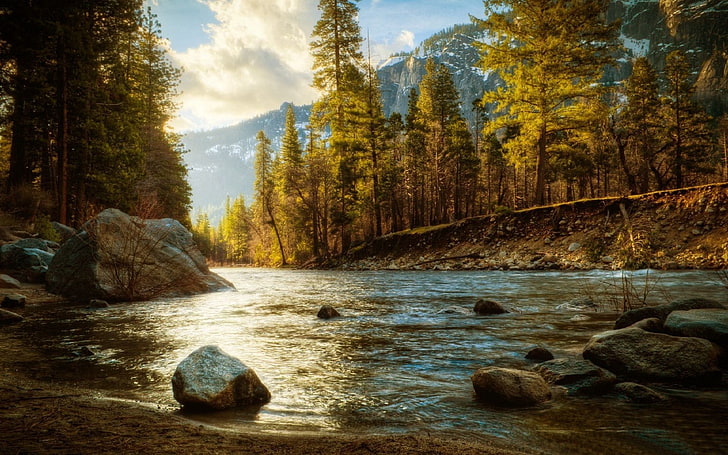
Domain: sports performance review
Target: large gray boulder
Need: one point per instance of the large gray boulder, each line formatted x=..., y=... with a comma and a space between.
x=661, y=312
x=580, y=377
x=211, y=379
x=633, y=353
x=510, y=387
x=711, y=324
x=117, y=257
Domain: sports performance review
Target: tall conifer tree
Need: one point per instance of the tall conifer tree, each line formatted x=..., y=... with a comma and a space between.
x=550, y=55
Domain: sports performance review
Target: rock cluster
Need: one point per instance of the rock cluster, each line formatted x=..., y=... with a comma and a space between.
x=682, y=343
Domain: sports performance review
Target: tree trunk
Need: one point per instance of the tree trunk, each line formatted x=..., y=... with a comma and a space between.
x=541, y=163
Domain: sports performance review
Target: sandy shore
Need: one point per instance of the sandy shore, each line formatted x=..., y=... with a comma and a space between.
x=38, y=417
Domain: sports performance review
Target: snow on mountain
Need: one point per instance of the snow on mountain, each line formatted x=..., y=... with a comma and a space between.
x=221, y=160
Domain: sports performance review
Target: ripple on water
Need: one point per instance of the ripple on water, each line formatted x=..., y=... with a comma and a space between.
x=399, y=359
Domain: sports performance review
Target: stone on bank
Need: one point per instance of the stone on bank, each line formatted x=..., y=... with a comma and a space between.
x=117, y=257
x=211, y=379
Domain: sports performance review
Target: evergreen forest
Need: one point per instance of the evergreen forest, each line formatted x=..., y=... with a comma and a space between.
x=554, y=131
x=87, y=90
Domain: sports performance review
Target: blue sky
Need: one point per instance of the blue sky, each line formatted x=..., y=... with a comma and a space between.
x=242, y=58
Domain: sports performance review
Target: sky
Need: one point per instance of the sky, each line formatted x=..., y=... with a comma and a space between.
x=242, y=58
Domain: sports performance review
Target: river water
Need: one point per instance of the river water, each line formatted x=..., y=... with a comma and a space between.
x=398, y=360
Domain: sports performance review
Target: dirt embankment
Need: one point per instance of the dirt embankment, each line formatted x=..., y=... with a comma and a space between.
x=686, y=228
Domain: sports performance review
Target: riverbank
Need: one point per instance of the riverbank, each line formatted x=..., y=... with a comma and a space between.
x=43, y=417
x=679, y=229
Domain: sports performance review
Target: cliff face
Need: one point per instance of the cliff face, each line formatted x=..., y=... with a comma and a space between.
x=399, y=75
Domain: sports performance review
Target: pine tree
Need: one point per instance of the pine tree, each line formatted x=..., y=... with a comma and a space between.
x=439, y=111
x=641, y=123
x=550, y=55
x=336, y=50
x=265, y=187
x=687, y=123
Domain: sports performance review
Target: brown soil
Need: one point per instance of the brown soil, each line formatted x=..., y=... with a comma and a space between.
x=685, y=228
x=42, y=417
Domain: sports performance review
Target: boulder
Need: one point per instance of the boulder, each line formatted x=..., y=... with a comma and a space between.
x=580, y=377
x=8, y=282
x=29, y=264
x=118, y=257
x=711, y=324
x=211, y=379
x=486, y=307
x=8, y=317
x=33, y=243
x=649, y=325
x=638, y=393
x=13, y=301
x=510, y=387
x=633, y=353
x=662, y=311
x=327, y=312
x=98, y=303
x=539, y=354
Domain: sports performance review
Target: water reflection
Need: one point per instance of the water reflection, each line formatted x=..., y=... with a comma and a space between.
x=399, y=359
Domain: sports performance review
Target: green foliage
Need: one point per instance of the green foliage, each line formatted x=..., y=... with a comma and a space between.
x=89, y=91
x=549, y=71
x=44, y=229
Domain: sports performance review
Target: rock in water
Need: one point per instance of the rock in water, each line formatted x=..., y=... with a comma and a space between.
x=635, y=354
x=8, y=282
x=711, y=324
x=13, y=301
x=212, y=379
x=580, y=377
x=661, y=312
x=638, y=393
x=509, y=387
x=539, y=354
x=8, y=317
x=118, y=257
x=486, y=307
x=328, y=312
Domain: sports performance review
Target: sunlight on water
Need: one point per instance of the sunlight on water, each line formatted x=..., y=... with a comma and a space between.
x=399, y=358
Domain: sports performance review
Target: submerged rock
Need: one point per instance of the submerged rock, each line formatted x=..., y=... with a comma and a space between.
x=120, y=257
x=580, y=377
x=638, y=393
x=635, y=354
x=486, y=307
x=509, y=387
x=13, y=301
x=327, y=312
x=8, y=317
x=539, y=354
x=211, y=379
x=578, y=305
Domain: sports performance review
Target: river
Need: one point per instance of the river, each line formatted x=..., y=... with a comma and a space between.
x=398, y=360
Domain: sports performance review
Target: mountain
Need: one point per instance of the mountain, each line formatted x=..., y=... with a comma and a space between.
x=221, y=160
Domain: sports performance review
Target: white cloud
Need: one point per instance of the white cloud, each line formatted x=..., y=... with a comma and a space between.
x=257, y=58
x=382, y=49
